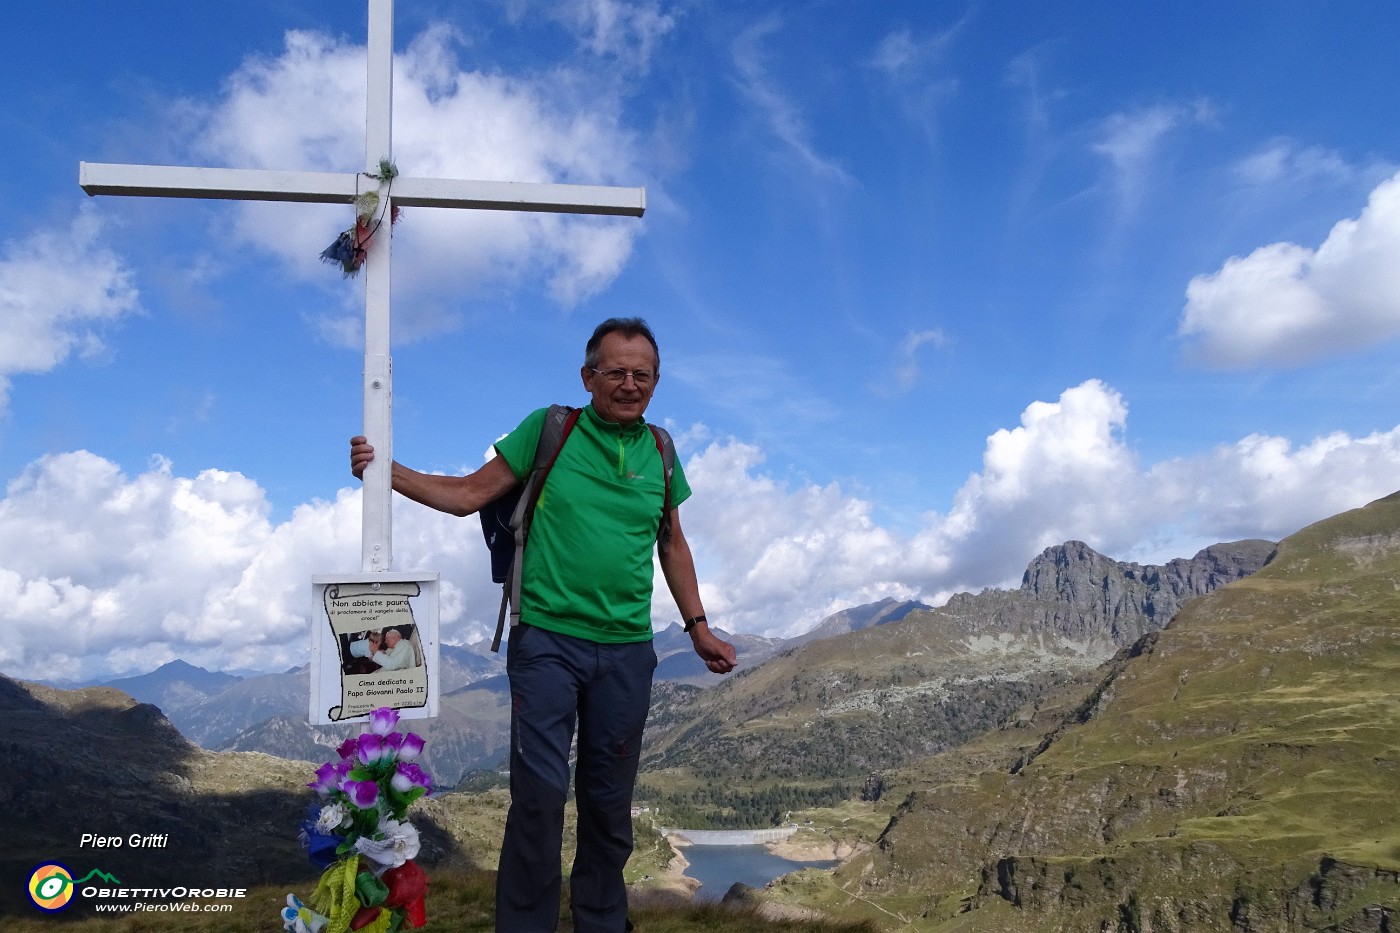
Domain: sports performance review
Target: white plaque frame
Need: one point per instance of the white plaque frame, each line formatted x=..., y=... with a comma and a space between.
x=346, y=606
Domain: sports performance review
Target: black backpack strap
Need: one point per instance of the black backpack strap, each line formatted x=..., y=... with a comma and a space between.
x=667, y=448
x=559, y=420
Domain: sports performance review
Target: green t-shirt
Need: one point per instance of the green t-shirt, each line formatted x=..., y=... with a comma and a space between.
x=588, y=561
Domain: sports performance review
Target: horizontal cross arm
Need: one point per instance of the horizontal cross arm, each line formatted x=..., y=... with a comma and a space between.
x=237, y=184
x=165, y=181
x=519, y=196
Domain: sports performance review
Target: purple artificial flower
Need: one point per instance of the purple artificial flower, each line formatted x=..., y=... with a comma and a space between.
x=411, y=747
x=383, y=720
x=327, y=777
x=408, y=776
x=393, y=741
x=363, y=794
x=347, y=749
x=371, y=748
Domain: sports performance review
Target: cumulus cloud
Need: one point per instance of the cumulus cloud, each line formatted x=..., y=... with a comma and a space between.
x=136, y=571
x=58, y=290
x=303, y=110
x=772, y=558
x=1286, y=304
x=777, y=558
x=1266, y=486
x=1064, y=473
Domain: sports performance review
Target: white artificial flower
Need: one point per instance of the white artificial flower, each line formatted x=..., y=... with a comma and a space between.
x=330, y=819
x=400, y=843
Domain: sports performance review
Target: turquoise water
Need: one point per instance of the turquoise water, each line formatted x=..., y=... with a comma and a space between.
x=719, y=867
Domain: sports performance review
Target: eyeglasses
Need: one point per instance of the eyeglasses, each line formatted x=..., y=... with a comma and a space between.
x=642, y=377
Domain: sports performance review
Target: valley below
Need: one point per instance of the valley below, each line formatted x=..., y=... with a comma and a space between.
x=1209, y=744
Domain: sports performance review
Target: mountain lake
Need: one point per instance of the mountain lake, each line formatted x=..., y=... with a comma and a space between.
x=717, y=868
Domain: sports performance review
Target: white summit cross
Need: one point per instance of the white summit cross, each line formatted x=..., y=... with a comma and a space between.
x=342, y=188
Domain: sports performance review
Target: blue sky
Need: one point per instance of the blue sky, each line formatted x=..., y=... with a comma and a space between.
x=937, y=286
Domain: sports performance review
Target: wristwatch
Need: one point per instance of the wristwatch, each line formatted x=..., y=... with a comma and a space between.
x=691, y=623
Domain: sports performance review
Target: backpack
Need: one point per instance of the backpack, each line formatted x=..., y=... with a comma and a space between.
x=505, y=521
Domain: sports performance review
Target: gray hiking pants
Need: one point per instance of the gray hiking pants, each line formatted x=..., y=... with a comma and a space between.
x=556, y=682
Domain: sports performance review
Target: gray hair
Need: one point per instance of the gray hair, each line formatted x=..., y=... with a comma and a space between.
x=628, y=327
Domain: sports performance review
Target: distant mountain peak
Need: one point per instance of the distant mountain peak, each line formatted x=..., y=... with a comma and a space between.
x=855, y=618
x=172, y=682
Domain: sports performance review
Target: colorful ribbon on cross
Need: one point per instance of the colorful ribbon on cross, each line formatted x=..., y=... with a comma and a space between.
x=350, y=247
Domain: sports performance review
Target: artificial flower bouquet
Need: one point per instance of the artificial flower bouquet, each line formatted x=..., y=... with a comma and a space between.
x=358, y=833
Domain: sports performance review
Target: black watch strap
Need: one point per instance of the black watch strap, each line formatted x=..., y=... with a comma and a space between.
x=691, y=623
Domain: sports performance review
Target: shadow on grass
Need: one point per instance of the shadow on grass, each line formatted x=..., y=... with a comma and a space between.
x=90, y=765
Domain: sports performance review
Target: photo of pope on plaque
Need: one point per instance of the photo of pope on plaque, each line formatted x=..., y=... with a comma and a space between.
x=381, y=655
x=392, y=649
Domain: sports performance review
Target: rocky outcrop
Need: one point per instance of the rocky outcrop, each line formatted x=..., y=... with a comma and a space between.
x=1093, y=594
x=1074, y=592
x=1213, y=892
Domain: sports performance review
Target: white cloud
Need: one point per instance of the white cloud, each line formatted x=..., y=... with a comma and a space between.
x=626, y=32
x=911, y=64
x=782, y=116
x=135, y=571
x=1283, y=162
x=303, y=110
x=1025, y=72
x=778, y=558
x=1286, y=304
x=899, y=52
x=773, y=559
x=58, y=288
x=905, y=372
x=1065, y=473
x=1132, y=143
x=1264, y=486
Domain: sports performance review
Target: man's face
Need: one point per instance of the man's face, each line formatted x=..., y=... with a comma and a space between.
x=392, y=638
x=625, y=401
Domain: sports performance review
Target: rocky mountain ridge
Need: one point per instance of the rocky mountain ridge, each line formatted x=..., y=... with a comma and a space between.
x=834, y=710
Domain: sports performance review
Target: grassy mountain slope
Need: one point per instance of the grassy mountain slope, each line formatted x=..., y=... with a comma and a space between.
x=809, y=726
x=1241, y=772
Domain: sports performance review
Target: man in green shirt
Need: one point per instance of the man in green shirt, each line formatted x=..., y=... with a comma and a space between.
x=582, y=655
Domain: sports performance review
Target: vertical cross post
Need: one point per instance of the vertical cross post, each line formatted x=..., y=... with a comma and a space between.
x=376, y=539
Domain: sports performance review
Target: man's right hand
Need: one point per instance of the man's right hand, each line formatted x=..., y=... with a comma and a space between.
x=361, y=453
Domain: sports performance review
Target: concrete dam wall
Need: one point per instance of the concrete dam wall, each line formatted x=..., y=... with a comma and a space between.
x=730, y=837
